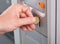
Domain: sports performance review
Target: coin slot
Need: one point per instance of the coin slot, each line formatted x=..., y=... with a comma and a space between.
x=37, y=19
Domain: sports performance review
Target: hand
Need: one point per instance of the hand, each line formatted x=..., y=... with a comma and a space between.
x=16, y=16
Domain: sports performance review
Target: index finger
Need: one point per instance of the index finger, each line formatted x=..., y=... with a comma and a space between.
x=27, y=10
x=29, y=13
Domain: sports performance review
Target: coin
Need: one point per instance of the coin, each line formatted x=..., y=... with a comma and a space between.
x=36, y=20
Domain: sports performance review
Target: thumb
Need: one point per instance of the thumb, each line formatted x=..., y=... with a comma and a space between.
x=26, y=21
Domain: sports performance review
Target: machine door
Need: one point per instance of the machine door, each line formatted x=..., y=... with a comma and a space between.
x=39, y=35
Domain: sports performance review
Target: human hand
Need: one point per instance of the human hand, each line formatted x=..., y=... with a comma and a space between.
x=16, y=16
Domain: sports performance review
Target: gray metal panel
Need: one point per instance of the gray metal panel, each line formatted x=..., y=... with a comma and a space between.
x=17, y=36
x=35, y=4
x=51, y=8
x=4, y=4
x=58, y=21
x=43, y=20
x=5, y=40
x=33, y=38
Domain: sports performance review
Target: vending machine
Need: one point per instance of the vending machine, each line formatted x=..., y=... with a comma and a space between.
x=47, y=30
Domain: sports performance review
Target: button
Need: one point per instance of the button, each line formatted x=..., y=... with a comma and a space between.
x=42, y=5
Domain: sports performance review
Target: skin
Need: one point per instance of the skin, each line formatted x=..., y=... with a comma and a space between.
x=16, y=16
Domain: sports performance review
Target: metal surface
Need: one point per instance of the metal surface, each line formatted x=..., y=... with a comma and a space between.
x=17, y=36
x=51, y=12
x=4, y=4
x=33, y=38
x=35, y=4
x=58, y=22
